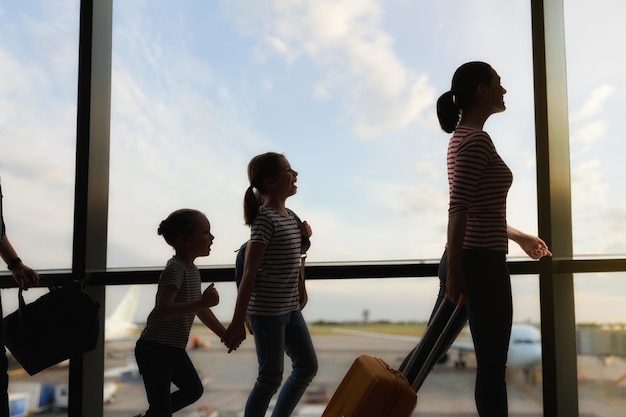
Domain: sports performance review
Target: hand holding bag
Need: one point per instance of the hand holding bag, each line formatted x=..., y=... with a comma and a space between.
x=60, y=324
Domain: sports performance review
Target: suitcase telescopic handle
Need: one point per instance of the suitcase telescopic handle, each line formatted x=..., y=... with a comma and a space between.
x=425, y=369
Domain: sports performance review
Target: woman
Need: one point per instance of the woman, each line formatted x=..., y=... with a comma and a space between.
x=473, y=267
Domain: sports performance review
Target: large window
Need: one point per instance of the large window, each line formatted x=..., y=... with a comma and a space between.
x=596, y=92
x=346, y=90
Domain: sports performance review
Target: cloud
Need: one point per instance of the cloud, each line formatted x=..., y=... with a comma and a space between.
x=589, y=134
x=347, y=44
x=169, y=152
x=595, y=103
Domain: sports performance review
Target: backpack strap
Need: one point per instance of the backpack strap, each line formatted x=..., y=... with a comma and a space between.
x=305, y=243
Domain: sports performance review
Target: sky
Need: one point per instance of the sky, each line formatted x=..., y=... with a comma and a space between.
x=346, y=89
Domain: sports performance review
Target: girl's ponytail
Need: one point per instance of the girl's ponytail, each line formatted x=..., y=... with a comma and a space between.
x=251, y=206
x=260, y=167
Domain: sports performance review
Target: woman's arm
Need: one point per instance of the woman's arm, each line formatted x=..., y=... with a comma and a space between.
x=532, y=245
x=455, y=281
x=21, y=273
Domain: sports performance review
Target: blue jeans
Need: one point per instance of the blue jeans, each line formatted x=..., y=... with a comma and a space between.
x=161, y=365
x=274, y=336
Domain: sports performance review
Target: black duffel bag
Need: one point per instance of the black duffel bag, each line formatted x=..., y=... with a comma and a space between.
x=60, y=324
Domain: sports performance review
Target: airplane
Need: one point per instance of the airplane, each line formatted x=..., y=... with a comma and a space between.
x=120, y=325
x=524, y=345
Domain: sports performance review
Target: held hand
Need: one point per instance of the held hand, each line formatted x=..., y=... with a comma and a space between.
x=234, y=335
x=455, y=286
x=305, y=229
x=25, y=276
x=534, y=247
x=210, y=296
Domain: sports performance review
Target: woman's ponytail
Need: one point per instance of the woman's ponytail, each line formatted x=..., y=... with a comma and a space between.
x=461, y=96
x=447, y=112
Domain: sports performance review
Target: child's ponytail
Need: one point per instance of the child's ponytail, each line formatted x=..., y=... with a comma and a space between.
x=260, y=167
x=251, y=206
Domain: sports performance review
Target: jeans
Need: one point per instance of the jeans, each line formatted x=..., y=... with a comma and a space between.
x=488, y=306
x=274, y=336
x=161, y=365
x=490, y=313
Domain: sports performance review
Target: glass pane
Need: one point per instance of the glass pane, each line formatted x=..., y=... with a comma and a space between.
x=596, y=76
x=363, y=324
x=601, y=343
x=39, y=54
x=346, y=91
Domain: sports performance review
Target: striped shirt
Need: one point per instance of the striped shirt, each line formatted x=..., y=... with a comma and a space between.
x=479, y=182
x=186, y=278
x=276, y=288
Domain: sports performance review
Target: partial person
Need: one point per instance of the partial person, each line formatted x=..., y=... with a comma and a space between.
x=473, y=267
x=25, y=277
x=160, y=350
x=268, y=296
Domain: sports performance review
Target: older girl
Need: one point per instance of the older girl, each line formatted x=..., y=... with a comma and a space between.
x=268, y=294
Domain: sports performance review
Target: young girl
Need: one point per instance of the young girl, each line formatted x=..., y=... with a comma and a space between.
x=160, y=351
x=268, y=293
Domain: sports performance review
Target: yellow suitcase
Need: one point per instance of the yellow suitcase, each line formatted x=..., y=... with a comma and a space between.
x=372, y=389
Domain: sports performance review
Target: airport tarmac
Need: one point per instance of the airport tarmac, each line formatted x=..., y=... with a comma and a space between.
x=448, y=392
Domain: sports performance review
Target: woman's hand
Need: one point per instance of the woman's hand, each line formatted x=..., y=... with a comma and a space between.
x=534, y=247
x=455, y=284
x=25, y=276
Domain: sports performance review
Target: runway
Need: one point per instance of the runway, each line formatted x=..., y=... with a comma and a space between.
x=448, y=392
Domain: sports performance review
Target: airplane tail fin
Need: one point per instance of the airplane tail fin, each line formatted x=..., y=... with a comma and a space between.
x=121, y=322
